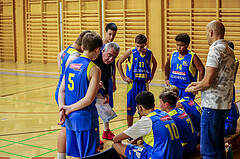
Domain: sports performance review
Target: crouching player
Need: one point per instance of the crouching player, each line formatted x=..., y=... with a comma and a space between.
x=159, y=132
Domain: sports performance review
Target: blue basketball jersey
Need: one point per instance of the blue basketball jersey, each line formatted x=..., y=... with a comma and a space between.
x=76, y=86
x=64, y=57
x=182, y=70
x=193, y=110
x=187, y=132
x=139, y=67
x=163, y=139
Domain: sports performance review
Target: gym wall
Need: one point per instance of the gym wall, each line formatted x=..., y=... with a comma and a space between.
x=31, y=30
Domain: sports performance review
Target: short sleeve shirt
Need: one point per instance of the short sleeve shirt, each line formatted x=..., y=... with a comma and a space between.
x=220, y=93
x=140, y=128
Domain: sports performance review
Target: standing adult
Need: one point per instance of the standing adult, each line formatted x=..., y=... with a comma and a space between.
x=217, y=91
x=104, y=62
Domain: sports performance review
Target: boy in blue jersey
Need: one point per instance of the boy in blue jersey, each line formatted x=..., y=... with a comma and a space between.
x=159, y=132
x=182, y=66
x=77, y=100
x=186, y=130
x=193, y=110
x=231, y=121
x=64, y=58
x=141, y=67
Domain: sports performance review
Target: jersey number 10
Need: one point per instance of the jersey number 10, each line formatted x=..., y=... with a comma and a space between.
x=173, y=131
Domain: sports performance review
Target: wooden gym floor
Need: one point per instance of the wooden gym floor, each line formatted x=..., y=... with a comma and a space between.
x=29, y=114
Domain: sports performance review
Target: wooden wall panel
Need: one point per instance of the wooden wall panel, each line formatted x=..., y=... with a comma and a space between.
x=7, y=31
x=131, y=17
x=194, y=17
x=42, y=30
x=80, y=15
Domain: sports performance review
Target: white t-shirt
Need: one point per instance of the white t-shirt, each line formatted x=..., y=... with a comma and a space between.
x=219, y=95
x=140, y=128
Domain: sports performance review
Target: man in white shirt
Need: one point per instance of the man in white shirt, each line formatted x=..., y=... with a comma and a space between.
x=217, y=91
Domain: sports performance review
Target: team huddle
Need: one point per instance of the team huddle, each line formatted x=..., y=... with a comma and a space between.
x=88, y=67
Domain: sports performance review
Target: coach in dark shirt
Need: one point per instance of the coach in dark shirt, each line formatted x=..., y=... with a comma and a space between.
x=106, y=61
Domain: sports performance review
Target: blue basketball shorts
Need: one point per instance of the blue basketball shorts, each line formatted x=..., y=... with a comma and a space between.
x=135, y=152
x=82, y=143
x=132, y=91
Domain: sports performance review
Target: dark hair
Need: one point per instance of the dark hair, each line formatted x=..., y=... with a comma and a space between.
x=230, y=44
x=92, y=41
x=111, y=26
x=141, y=39
x=169, y=97
x=80, y=37
x=146, y=99
x=183, y=37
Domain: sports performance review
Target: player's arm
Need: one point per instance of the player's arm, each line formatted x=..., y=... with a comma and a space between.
x=236, y=68
x=154, y=67
x=95, y=76
x=59, y=59
x=106, y=90
x=114, y=79
x=61, y=101
x=119, y=65
x=205, y=83
x=167, y=71
x=120, y=137
x=199, y=66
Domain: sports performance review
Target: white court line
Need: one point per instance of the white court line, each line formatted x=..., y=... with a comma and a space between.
x=54, y=76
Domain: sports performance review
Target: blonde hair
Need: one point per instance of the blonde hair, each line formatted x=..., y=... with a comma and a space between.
x=170, y=88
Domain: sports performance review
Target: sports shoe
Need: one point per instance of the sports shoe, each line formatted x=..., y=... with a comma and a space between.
x=101, y=145
x=108, y=135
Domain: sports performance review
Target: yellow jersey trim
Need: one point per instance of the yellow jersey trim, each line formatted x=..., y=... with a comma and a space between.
x=149, y=139
x=192, y=69
x=72, y=50
x=90, y=65
x=172, y=113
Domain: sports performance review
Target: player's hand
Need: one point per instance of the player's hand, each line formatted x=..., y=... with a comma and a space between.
x=167, y=82
x=106, y=99
x=62, y=117
x=127, y=79
x=100, y=85
x=67, y=109
x=149, y=80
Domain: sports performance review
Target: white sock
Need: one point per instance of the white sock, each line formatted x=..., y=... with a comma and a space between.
x=61, y=155
x=106, y=126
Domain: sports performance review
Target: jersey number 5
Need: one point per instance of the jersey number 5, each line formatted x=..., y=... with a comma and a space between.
x=71, y=83
x=173, y=131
